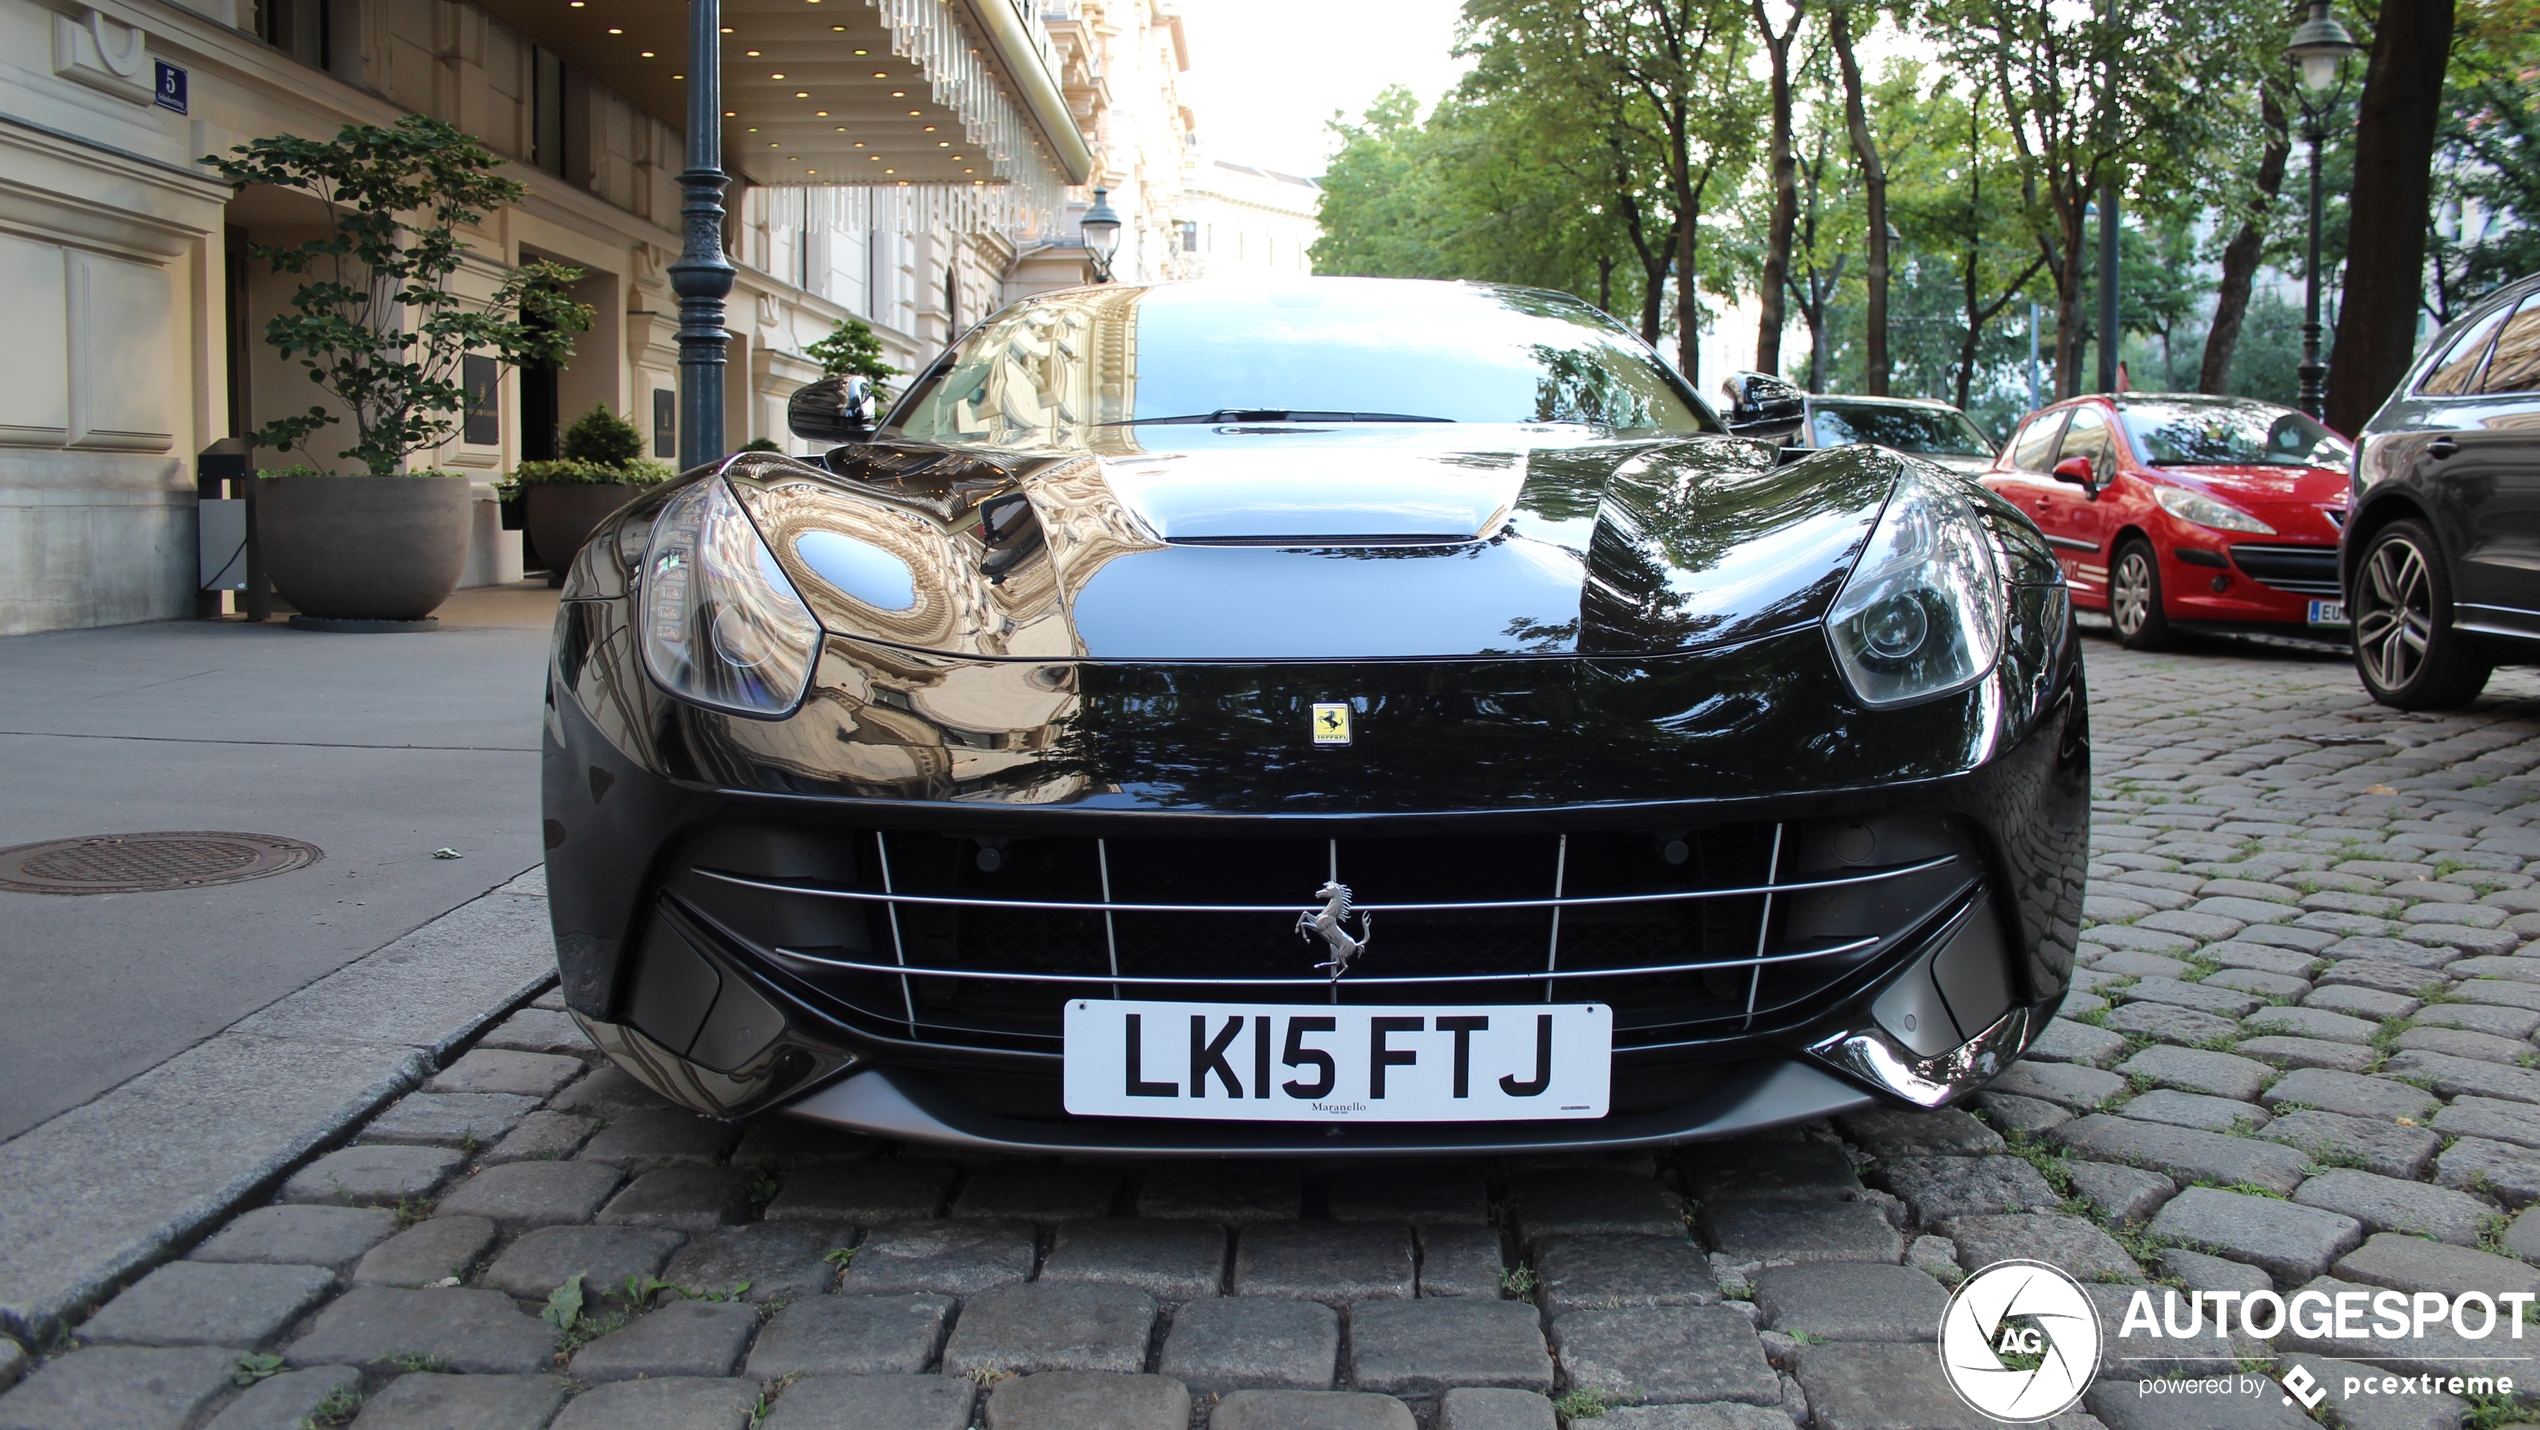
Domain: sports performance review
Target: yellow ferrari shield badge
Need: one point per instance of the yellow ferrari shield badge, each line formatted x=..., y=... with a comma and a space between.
x=1331, y=723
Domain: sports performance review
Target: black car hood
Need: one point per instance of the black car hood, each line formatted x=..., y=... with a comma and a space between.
x=1299, y=544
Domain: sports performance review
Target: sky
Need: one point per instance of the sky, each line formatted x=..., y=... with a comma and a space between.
x=1265, y=78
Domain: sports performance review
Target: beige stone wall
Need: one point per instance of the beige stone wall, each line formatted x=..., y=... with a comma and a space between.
x=113, y=242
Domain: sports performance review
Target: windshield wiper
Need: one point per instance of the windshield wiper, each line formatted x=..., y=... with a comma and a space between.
x=1269, y=414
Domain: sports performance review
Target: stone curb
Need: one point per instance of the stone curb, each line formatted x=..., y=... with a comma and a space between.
x=119, y=1184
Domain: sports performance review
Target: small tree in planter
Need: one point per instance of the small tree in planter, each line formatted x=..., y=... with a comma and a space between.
x=378, y=329
x=603, y=468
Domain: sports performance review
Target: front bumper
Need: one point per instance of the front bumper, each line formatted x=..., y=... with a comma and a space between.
x=736, y=995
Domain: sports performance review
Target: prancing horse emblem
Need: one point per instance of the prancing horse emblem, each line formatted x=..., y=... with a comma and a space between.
x=1327, y=925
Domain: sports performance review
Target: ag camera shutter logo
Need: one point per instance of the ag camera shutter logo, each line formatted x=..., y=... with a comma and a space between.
x=2020, y=1341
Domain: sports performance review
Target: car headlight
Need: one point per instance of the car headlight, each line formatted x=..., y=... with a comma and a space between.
x=2205, y=511
x=1923, y=613
x=722, y=626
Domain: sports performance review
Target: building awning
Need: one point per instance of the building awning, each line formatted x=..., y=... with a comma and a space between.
x=861, y=92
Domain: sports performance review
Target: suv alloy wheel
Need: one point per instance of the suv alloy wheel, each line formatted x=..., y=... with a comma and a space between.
x=2406, y=649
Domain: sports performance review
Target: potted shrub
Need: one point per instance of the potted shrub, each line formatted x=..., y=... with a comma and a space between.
x=357, y=540
x=602, y=469
x=853, y=350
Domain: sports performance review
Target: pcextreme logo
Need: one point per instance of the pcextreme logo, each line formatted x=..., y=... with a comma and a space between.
x=2020, y=1341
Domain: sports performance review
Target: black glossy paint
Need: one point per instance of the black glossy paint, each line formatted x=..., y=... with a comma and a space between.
x=1540, y=630
x=2470, y=466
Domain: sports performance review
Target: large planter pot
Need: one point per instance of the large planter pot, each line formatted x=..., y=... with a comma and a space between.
x=387, y=549
x=562, y=516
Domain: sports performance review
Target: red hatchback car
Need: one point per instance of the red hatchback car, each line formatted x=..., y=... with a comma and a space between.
x=2172, y=510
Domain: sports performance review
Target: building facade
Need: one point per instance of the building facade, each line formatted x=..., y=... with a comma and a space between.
x=892, y=159
x=1239, y=220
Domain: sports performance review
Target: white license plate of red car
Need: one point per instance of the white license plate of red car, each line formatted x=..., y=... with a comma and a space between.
x=1302, y=1062
x=2328, y=613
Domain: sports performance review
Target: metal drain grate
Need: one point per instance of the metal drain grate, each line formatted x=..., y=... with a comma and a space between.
x=146, y=863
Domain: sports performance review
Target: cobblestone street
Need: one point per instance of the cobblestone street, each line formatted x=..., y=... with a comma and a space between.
x=2299, y=1055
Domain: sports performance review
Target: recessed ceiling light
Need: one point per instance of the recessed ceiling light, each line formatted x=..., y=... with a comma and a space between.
x=752, y=53
x=841, y=27
x=772, y=144
x=930, y=128
x=957, y=158
x=778, y=75
x=859, y=143
x=727, y=29
x=679, y=76
x=820, y=114
x=943, y=143
x=753, y=129
x=647, y=54
x=890, y=171
x=912, y=114
x=873, y=158
x=878, y=74
x=970, y=171
x=577, y=4
x=614, y=30
x=897, y=93
x=731, y=114
x=802, y=94
x=843, y=129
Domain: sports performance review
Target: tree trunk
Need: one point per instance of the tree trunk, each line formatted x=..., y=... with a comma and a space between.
x=2240, y=258
x=1653, y=265
x=1874, y=189
x=1688, y=305
x=1605, y=284
x=1784, y=166
x=2385, y=245
x=2068, y=334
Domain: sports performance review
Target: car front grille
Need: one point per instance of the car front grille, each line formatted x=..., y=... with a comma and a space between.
x=2302, y=570
x=1691, y=935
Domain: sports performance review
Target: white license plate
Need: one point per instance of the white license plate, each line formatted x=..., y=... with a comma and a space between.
x=1298, y=1062
x=2328, y=613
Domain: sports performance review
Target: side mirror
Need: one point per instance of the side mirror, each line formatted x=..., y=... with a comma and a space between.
x=1763, y=406
x=834, y=409
x=2079, y=472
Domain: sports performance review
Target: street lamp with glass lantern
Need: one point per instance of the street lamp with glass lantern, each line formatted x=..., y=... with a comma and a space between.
x=2319, y=49
x=1101, y=228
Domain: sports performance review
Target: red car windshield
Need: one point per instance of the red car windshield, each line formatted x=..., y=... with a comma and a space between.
x=2230, y=434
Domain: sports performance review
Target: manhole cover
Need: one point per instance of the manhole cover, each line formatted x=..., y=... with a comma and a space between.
x=142, y=863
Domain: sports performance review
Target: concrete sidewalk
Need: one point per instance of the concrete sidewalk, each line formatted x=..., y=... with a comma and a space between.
x=162, y=1055
x=378, y=749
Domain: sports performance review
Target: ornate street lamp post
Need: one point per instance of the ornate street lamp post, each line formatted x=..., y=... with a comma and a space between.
x=1101, y=228
x=2319, y=49
x=703, y=276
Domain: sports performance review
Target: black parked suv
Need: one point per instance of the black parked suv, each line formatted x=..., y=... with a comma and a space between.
x=2441, y=557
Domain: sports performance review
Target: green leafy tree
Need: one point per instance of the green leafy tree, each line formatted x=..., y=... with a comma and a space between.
x=852, y=350
x=1376, y=211
x=378, y=328
x=2486, y=216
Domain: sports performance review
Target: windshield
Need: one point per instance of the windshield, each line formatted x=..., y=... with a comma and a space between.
x=1050, y=371
x=2230, y=434
x=1907, y=429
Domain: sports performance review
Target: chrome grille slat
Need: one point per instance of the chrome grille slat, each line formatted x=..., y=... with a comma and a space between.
x=1079, y=906
x=1764, y=925
x=1355, y=980
x=899, y=948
